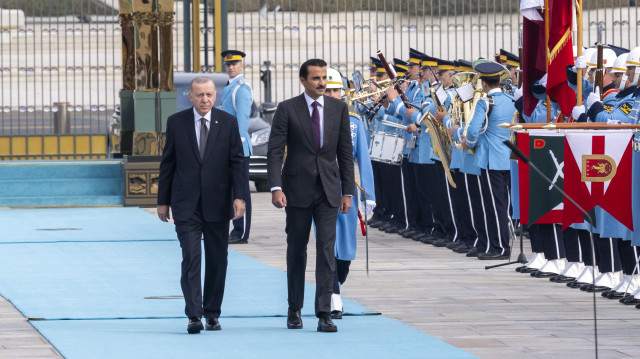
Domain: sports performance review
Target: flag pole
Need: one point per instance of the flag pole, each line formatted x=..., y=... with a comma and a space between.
x=546, y=54
x=579, y=46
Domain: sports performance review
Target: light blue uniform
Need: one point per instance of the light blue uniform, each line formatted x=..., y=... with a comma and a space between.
x=490, y=150
x=422, y=153
x=397, y=110
x=240, y=91
x=620, y=111
x=347, y=225
x=456, y=153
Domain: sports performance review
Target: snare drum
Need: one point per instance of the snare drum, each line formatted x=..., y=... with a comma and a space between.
x=387, y=148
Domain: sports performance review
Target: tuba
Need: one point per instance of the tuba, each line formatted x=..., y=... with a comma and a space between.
x=468, y=107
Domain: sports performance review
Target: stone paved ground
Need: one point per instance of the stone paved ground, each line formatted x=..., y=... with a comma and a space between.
x=492, y=314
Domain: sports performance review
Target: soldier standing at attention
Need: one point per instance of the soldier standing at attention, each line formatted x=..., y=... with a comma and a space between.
x=237, y=99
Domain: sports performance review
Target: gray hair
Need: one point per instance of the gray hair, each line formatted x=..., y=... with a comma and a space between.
x=201, y=80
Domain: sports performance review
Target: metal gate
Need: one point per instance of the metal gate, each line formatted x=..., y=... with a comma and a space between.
x=69, y=51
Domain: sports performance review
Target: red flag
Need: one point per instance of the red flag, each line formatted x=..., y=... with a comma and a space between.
x=532, y=61
x=540, y=202
x=597, y=172
x=560, y=54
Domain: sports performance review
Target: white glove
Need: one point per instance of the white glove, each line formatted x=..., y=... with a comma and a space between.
x=593, y=97
x=369, y=205
x=613, y=122
x=581, y=62
x=577, y=111
x=543, y=81
x=517, y=94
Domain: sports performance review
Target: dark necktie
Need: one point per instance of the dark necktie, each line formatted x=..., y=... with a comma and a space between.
x=315, y=122
x=204, y=134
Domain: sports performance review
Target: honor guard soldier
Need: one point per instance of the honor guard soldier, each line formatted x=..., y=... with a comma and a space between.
x=237, y=99
x=347, y=225
x=492, y=156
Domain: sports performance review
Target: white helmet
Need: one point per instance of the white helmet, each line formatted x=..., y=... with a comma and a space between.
x=608, y=58
x=633, y=59
x=620, y=65
x=587, y=53
x=334, y=80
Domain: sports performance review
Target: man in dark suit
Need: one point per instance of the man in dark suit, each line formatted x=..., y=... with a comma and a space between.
x=311, y=185
x=202, y=163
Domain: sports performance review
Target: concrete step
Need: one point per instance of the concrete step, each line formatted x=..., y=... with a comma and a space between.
x=61, y=183
x=61, y=201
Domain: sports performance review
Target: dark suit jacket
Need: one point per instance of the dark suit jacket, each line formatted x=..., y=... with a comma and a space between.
x=292, y=127
x=185, y=177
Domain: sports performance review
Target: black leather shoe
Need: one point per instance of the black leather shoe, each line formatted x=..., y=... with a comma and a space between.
x=236, y=240
x=325, y=324
x=473, y=252
x=452, y=244
x=518, y=269
x=373, y=219
x=539, y=274
x=428, y=239
x=213, y=324
x=375, y=223
x=336, y=314
x=630, y=300
x=585, y=287
x=392, y=229
x=575, y=284
x=385, y=226
x=410, y=233
x=616, y=295
x=442, y=242
x=418, y=235
x=492, y=256
x=195, y=326
x=294, y=320
x=638, y=306
x=528, y=270
x=402, y=231
x=463, y=248
x=597, y=288
x=563, y=279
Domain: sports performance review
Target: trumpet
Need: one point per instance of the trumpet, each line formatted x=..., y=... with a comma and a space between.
x=352, y=95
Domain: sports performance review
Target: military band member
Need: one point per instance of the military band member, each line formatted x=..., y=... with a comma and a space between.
x=467, y=185
x=237, y=99
x=382, y=212
x=492, y=156
x=441, y=195
x=420, y=156
x=396, y=107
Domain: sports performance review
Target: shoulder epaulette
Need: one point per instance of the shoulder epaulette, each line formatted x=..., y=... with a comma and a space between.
x=354, y=114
